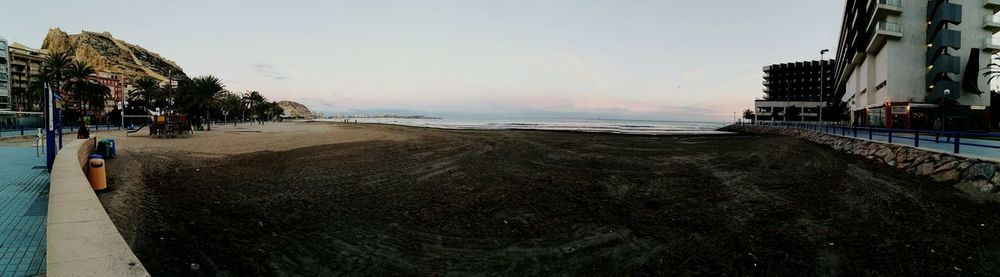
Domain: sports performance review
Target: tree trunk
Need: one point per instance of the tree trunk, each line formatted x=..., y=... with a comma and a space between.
x=209, y=120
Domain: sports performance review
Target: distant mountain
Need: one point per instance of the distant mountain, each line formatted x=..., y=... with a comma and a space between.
x=294, y=109
x=105, y=53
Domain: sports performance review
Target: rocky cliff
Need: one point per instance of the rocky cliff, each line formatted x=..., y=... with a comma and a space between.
x=105, y=53
x=294, y=109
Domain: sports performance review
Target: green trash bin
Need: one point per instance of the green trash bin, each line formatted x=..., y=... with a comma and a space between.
x=104, y=148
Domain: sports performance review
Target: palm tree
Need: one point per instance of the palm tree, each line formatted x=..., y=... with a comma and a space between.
x=253, y=100
x=79, y=82
x=56, y=66
x=53, y=73
x=147, y=93
x=230, y=104
x=265, y=110
x=749, y=114
x=992, y=70
x=202, y=94
x=36, y=89
x=96, y=96
x=276, y=110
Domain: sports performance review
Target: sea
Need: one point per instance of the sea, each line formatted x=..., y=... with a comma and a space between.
x=615, y=126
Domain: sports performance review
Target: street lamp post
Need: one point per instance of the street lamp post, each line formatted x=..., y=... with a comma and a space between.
x=822, y=79
x=121, y=108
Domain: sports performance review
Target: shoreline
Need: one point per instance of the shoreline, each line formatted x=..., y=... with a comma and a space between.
x=716, y=131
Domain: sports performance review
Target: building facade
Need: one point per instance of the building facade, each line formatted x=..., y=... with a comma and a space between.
x=6, y=99
x=114, y=83
x=25, y=65
x=792, y=91
x=917, y=64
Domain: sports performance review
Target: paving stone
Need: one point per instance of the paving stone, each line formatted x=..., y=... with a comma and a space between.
x=24, y=187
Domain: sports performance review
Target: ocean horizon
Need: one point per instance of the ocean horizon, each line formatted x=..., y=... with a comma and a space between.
x=614, y=126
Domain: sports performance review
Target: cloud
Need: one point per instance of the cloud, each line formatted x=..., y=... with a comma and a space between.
x=267, y=70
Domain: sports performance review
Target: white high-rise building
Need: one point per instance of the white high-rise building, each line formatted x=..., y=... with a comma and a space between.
x=917, y=64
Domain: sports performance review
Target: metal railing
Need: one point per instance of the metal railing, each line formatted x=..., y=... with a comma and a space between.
x=991, y=41
x=991, y=19
x=22, y=130
x=890, y=26
x=957, y=139
x=894, y=3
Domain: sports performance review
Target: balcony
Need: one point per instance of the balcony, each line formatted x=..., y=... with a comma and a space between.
x=992, y=22
x=992, y=4
x=884, y=31
x=942, y=67
x=859, y=57
x=992, y=44
x=943, y=15
x=945, y=39
x=887, y=7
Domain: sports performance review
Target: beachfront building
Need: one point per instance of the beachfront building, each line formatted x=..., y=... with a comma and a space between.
x=114, y=83
x=917, y=64
x=7, y=116
x=5, y=95
x=792, y=91
x=25, y=65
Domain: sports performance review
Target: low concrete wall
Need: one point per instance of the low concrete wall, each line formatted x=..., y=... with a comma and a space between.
x=970, y=174
x=80, y=238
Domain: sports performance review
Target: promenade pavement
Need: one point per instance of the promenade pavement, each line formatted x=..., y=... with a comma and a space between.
x=24, y=189
x=977, y=148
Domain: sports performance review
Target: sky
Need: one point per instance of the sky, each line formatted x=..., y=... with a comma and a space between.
x=655, y=60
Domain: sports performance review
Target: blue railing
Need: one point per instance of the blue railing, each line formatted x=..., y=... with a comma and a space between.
x=22, y=131
x=956, y=139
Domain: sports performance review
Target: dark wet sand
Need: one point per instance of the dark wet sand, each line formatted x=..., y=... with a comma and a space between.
x=521, y=203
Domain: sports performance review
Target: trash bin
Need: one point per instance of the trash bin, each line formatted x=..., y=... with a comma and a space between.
x=104, y=148
x=113, y=148
x=96, y=174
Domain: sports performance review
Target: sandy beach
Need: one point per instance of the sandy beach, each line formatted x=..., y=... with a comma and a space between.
x=311, y=199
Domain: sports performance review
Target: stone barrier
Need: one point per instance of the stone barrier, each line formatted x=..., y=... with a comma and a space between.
x=978, y=174
x=80, y=238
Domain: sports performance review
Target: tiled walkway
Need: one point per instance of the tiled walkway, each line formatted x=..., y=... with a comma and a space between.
x=980, y=148
x=24, y=191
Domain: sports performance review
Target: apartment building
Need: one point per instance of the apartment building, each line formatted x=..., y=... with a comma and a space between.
x=25, y=65
x=917, y=64
x=6, y=100
x=792, y=91
x=114, y=83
